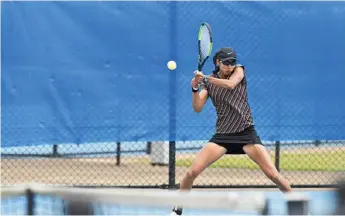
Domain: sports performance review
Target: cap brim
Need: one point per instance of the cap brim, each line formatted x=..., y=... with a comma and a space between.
x=228, y=58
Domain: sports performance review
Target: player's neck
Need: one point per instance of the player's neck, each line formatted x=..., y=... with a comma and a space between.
x=222, y=76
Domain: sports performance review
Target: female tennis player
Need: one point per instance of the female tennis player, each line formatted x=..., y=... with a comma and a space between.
x=235, y=131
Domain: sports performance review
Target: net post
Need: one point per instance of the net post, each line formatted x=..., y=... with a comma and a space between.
x=340, y=193
x=265, y=210
x=297, y=204
x=118, y=153
x=30, y=201
x=277, y=155
x=78, y=208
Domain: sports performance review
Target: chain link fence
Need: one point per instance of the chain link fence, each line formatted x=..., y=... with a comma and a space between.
x=312, y=164
x=286, y=105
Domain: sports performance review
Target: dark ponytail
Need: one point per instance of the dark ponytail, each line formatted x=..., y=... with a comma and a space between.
x=216, y=67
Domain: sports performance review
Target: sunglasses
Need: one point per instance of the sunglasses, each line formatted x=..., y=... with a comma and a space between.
x=231, y=62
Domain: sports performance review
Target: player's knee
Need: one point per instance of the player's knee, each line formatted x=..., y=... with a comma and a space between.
x=275, y=178
x=272, y=173
x=192, y=174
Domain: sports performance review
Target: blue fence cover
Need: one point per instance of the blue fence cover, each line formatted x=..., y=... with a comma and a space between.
x=81, y=72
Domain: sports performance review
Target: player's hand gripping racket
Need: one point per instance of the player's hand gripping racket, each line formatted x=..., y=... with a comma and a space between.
x=204, y=44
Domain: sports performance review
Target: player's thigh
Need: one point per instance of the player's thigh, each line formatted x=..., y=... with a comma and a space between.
x=207, y=155
x=259, y=155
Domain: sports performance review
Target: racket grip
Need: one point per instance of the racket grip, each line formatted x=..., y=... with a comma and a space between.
x=205, y=80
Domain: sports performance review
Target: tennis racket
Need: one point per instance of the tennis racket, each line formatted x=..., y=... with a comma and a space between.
x=204, y=44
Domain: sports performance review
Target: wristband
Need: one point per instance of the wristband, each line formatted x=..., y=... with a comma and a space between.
x=195, y=90
x=205, y=80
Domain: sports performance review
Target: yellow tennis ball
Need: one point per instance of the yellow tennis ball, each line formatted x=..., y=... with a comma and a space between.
x=171, y=65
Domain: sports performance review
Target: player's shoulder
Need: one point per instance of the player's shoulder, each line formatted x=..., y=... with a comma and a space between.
x=240, y=68
x=238, y=65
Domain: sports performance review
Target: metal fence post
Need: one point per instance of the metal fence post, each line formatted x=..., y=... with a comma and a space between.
x=172, y=155
x=277, y=155
x=172, y=94
x=118, y=153
x=148, y=147
x=55, y=150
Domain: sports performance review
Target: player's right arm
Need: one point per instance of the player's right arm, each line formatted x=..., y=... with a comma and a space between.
x=198, y=98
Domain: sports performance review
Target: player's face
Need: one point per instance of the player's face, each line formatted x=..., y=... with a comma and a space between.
x=225, y=67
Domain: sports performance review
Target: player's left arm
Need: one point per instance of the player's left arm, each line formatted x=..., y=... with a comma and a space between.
x=230, y=83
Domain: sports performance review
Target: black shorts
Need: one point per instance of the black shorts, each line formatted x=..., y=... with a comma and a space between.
x=234, y=142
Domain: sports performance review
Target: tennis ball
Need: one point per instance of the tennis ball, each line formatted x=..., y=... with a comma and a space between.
x=171, y=65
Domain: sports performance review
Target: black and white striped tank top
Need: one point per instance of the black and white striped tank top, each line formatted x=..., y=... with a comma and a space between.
x=232, y=107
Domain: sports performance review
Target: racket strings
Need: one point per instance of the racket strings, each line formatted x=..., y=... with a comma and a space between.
x=205, y=42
